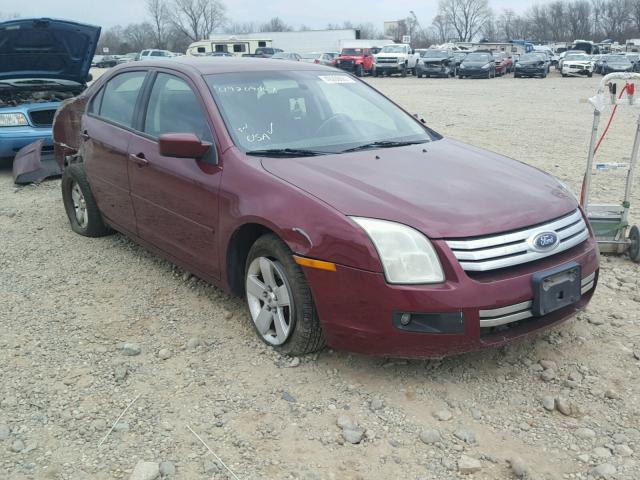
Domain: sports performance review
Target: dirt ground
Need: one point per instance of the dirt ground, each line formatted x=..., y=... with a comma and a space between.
x=89, y=326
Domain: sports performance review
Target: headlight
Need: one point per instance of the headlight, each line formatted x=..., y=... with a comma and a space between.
x=407, y=256
x=486, y=67
x=12, y=120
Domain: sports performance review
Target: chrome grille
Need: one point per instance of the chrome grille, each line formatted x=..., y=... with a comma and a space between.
x=519, y=311
x=515, y=248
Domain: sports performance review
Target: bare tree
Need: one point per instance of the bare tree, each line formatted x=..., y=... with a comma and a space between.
x=138, y=36
x=635, y=15
x=276, y=24
x=578, y=20
x=441, y=29
x=466, y=17
x=159, y=14
x=197, y=19
x=8, y=16
x=616, y=17
x=505, y=24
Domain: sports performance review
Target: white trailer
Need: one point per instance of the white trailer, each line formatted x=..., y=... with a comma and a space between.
x=233, y=45
x=308, y=41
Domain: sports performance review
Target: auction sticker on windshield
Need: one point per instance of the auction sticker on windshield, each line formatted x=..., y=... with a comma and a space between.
x=333, y=79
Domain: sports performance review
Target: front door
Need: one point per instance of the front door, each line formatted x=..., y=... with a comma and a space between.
x=106, y=132
x=176, y=199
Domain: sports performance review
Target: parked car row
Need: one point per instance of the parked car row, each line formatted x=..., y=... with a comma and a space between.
x=108, y=61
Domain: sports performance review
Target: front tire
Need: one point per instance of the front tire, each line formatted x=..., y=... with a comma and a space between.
x=80, y=204
x=359, y=71
x=634, y=248
x=403, y=72
x=280, y=300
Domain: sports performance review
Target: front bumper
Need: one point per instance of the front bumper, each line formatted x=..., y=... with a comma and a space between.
x=530, y=71
x=359, y=311
x=435, y=70
x=474, y=72
x=13, y=139
x=576, y=70
x=389, y=67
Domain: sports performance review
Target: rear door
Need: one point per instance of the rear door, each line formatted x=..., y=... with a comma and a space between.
x=106, y=132
x=176, y=199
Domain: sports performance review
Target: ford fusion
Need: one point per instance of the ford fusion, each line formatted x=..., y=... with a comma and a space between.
x=340, y=218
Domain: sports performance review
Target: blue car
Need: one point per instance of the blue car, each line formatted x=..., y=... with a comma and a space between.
x=42, y=63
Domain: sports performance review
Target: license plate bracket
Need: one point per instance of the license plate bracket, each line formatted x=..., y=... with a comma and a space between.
x=556, y=288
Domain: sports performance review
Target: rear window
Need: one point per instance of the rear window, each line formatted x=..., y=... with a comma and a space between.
x=120, y=96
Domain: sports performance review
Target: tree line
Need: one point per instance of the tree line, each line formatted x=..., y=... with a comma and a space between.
x=174, y=24
x=559, y=21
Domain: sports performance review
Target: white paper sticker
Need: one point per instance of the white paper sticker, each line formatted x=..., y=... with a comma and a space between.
x=333, y=79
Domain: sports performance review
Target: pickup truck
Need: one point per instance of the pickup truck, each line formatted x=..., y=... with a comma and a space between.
x=396, y=58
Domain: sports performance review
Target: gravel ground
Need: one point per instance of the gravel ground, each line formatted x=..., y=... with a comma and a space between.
x=91, y=326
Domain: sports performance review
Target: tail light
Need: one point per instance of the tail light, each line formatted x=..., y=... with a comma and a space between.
x=316, y=61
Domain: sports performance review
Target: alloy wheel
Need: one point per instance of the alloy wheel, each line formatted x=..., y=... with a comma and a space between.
x=79, y=205
x=270, y=300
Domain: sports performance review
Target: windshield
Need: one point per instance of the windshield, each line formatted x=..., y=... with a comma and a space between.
x=618, y=59
x=577, y=57
x=393, y=49
x=435, y=54
x=531, y=57
x=478, y=57
x=354, y=52
x=322, y=111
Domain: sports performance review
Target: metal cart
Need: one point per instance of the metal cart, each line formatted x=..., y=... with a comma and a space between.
x=610, y=222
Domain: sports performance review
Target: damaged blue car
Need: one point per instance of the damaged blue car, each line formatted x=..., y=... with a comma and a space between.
x=43, y=62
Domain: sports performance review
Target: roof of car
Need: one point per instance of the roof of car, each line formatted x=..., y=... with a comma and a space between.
x=212, y=65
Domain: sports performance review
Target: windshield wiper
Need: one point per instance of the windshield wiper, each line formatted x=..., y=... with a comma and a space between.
x=383, y=144
x=286, y=152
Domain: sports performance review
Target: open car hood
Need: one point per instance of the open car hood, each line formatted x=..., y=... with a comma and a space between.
x=47, y=48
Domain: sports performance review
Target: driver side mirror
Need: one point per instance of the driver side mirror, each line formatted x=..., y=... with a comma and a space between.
x=182, y=145
x=89, y=77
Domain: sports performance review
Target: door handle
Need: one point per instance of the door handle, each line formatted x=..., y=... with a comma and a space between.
x=139, y=159
x=85, y=136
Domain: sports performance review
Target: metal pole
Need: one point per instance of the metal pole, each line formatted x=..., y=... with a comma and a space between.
x=592, y=146
x=632, y=166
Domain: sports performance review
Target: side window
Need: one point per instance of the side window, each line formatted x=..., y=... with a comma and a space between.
x=175, y=108
x=201, y=50
x=239, y=47
x=156, y=53
x=221, y=48
x=119, y=97
x=94, y=106
x=262, y=44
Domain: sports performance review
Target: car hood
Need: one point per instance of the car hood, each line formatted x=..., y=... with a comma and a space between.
x=47, y=48
x=530, y=63
x=446, y=189
x=577, y=62
x=349, y=57
x=474, y=64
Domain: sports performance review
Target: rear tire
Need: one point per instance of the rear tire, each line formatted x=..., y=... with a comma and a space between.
x=80, y=204
x=634, y=249
x=299, y=331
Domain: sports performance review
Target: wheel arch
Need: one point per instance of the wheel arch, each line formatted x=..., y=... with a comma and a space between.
x=237, y=251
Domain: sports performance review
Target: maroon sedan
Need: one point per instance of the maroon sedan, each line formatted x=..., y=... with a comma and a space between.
x=339, y=216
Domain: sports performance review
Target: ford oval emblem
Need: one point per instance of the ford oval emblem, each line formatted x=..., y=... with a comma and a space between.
x=545, y=241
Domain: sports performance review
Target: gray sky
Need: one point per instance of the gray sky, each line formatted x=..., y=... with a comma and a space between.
x=312, y=13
